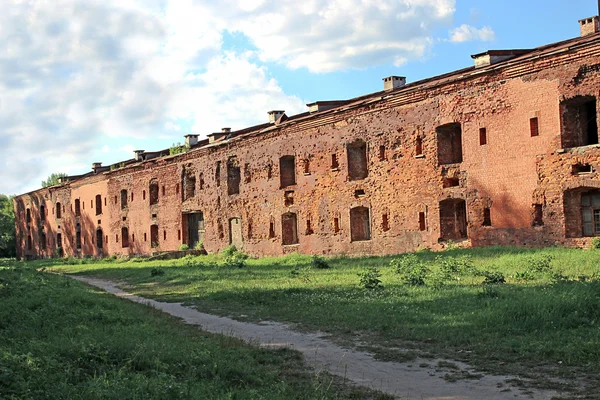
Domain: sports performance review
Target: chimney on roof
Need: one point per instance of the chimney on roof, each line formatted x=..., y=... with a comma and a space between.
x=226, y=130
x=275, y=115
x=191, y=139
x=394, y=82
x=96, y=166
x=589, y=26
x=139, y=155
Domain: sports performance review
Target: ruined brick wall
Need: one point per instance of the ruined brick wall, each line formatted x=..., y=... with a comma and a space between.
x=375, y=177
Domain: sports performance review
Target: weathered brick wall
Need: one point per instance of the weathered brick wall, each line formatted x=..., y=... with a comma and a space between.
x=407, y=193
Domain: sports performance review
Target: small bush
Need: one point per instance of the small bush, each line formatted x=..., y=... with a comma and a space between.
x=199, y=245
x=526, y=275
x=410, y=269
x=369, y=279
x=595, y=243
x=455, y=267
x=229, y=251
x=184, y=247
x=539, y=263
x=301, y=272
x=157, y=272
x=493, y=278
x=319, y=263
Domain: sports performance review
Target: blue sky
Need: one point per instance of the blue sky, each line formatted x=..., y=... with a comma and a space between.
x=92, y=80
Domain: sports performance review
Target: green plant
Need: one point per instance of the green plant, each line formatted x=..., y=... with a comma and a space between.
x=319, y=263
x=157, y=272
x=455, y=267
x=199, y=245
x=154, y=245
x=539, y=262
x=595, y=243
x=493, y=278
x=369, y=279
x=184, y=247
x=178, y=148
x=410, y=269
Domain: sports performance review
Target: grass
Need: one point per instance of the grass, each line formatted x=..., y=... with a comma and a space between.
x=544, y=321
x=60, y=339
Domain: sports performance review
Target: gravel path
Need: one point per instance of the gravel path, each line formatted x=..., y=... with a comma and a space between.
x=403, y=380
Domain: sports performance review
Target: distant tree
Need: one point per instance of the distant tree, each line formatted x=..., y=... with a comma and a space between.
x=53, y=179
x=7, y=227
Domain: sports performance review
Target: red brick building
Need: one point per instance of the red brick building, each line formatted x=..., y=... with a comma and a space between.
x=504, y=152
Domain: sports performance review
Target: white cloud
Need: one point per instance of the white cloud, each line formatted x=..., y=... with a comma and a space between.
x=78, y=75
x=339, y=34
x=467, y=33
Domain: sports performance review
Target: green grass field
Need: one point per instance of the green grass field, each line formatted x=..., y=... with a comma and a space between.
x=543, y=321
x=60, y=339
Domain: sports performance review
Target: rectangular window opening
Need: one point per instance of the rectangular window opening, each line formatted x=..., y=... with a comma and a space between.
x=382, y=153
x=482, y=136
x=385, y=223
x=534, y=127
x=449, y=143
x=360, y=224
x=579, y=121
x=580, y=168
x=334, y=162
x=487, y=217
x=233, y=176
x=538, y=215
x=287, y=171
x=422, y=222
x=357, y=160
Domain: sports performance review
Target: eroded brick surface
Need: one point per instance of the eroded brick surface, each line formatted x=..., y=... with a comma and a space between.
x=388, y=173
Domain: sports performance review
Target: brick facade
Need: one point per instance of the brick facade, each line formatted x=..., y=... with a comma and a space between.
x=498, y=154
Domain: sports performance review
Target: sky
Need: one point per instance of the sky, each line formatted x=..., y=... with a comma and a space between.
x=85, y=81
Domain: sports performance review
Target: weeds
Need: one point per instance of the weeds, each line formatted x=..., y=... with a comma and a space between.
x=369, y=279
x=410, y=270
x=319, y=263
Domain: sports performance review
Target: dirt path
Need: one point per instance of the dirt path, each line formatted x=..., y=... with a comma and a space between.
x=403, y=380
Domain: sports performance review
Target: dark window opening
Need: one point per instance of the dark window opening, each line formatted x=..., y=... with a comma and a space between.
x=43, y=213
x=99, y=237
x=124, y=218
x=143, y=195
x=247, y=173
x=581, y=169
x=538, y=215
x=306, y=166
x=385, y=223
x=124, y=237
x=382, y=153
x=422, y=221
x=359, y=193
x=154, y=236
x=453, y=219
x=29, y=242
x=145, y=237
x=288, y=198
x=218, y=173
x=59, y=241
x=487, y=217
x=449, y=143
x=154, y=215
x=78, y=240
x=249, y=229
x=309, y=230
x=132, y=237
x=357, y=160
x=105, y=202
x=271, y=230
x=233, y=176
x=287, y=171
x=28, y=215
x=334, y=162
x=590, y=213
x=201, y=182
x=179, y=234
x=336, y=225
x=164, y=235
x=177, y=189
x=189, y=184
x=123, y=199
x=163, y=191
x=534, y=127
x=91, y=203
x=450, y=182
x=419, y=146
x=115, y=199
x=579, y=121
x=43, y=241
x=289, y=229
x=360, y=225
x=58, y=210
x=98, y=204
x=482, y=136
x=153, y=192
